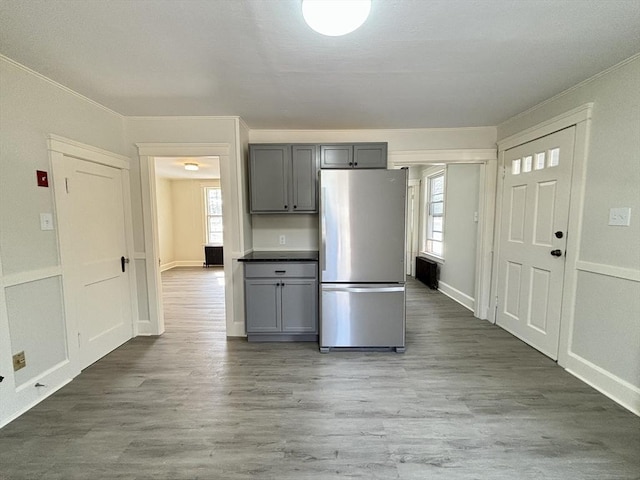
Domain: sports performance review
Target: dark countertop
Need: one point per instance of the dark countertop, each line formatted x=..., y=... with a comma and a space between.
x=281, y=256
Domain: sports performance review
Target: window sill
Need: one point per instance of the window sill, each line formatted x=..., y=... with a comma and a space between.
x=431, y=256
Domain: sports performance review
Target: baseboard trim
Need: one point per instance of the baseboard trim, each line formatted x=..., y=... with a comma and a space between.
x=167, y=266
x=454, y=294
x=181, y=263
x=145, y=328
x=25, y=408
x=617, y=389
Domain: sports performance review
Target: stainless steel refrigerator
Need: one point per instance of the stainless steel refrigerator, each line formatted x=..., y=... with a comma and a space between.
x=362, y=258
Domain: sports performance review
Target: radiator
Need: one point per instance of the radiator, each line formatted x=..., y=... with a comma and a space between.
x=427, y=272
x=212, y=256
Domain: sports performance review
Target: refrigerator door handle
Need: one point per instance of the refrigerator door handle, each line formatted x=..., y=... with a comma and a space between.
x=362, y=289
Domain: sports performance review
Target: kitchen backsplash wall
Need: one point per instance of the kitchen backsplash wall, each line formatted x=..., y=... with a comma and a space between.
x=300, y=232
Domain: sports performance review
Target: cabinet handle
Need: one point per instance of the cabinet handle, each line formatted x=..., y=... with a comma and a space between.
x=295, y=206
x=280, y=272
x=355, y=164
x=285, y=207
x=351, y=164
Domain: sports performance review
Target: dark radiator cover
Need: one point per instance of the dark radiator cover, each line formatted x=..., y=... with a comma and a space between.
x=212, y=256
x=427, y=272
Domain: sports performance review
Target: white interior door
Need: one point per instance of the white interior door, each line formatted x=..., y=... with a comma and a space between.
x=533, y=233
x=91, y=211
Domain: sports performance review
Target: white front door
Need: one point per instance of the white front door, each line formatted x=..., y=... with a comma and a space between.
x=533, y=234
x=92, y=223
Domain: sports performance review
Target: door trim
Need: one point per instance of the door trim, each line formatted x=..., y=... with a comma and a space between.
x=59, y=148
x=579, y=117
x=231, y=196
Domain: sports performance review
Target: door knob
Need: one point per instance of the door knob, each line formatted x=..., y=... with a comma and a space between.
x=559, y=234
x=556, y=253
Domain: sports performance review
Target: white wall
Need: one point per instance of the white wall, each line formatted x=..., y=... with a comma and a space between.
x=31, y=107
x=605, y=329
x=458, y=267
x=181, y=221
x=189, y=227
x=457, y=274
x=302, y=230
x=165, y=222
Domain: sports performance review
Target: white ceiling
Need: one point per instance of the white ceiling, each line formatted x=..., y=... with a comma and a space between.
x=414, y=63
x=173, y=167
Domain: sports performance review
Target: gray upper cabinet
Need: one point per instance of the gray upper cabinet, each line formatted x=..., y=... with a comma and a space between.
x=354, y=155
x=370, y=155
x=283, y=178
x=336, y=156
x=304, y=178
x=269, y=167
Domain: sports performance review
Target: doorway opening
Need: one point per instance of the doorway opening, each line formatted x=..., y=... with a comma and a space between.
x=189, y=214
x=443, y=225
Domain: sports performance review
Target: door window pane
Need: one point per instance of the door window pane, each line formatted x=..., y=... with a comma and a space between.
x=515, y=167
x=554, y=157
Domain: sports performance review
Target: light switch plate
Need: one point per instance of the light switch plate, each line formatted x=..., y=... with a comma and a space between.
x=46, y=221
x=620, y=216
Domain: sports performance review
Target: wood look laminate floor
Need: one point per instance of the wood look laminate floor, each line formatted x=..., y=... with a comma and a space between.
x=466, y=401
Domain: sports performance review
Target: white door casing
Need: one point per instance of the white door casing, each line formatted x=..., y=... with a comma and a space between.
x=232, y=198
x=413, y=193
x=533, y=236
x=91, y=190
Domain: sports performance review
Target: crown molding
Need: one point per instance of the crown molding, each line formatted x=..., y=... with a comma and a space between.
x=571, y=89
x=58, y=85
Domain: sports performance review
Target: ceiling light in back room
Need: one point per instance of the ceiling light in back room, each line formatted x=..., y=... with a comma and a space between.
x=335, y=17
x=191, y=166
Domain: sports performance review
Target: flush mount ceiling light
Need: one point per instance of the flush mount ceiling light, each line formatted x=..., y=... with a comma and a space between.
x=335, y=17
x=193, y=167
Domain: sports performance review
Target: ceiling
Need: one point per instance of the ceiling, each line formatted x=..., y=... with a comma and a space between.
x=173, y=167
x=414, y=63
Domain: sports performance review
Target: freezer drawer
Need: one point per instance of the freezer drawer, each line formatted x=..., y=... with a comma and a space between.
x=362, y=315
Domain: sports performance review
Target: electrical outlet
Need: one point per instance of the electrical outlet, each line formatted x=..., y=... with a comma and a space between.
x=19, y=361
x=283, y=240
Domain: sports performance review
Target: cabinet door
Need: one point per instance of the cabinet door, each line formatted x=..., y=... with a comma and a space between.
x=304, y=178
x=336, y=156
x=269, y=167
x=300, y=306
x=370, y=155
x=262, y=305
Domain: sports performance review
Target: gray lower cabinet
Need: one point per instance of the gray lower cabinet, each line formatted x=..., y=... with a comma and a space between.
x=283, y=178
x=354, y=155
x=281, y=301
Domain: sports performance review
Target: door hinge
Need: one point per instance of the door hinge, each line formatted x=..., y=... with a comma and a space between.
x=66, y=184
x=504, y=172
x=78, y=339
